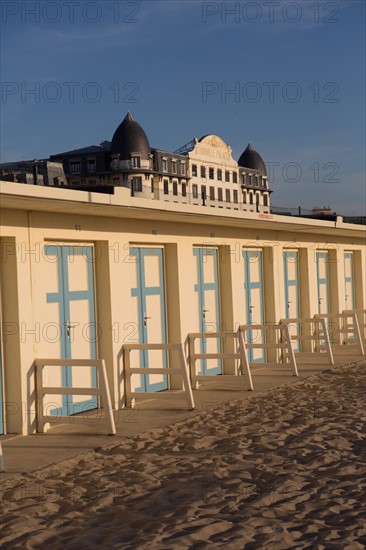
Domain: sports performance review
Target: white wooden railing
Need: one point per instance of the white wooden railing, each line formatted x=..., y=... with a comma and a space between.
x=344, y=333
x=274, y=336
x=102, y=391
x=315, y=332
x=242, y=371
x=169, y=371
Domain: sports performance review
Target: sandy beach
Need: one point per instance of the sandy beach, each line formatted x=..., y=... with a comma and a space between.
x=284, y=469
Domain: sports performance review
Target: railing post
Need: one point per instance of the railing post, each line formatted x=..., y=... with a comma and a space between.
x=103, y=382
x=40, y=423
x=244, y=363
x=127, y=363
x=192, y=362
x=290, y=351
x=358, y=333
x=185, y=376
x=327, y=341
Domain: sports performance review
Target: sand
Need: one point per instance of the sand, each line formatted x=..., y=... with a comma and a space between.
x=284, y=469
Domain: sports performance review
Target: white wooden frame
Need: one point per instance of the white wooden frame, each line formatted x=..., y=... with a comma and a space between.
x=283, y=343
x=318, y=333
x=169, y=371
x=361, y=317
x=242, y=373
x=349, y=346
x=101, y=391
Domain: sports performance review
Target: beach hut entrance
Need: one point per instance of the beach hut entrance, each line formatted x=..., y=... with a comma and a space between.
x=253, y=289
x=322, y=280
x=348, y=281
x=291, y=280
x=149, y=294
x=208, y=305
x=71, y=327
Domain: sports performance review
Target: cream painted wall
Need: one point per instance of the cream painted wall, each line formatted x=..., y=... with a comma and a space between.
x=23, y=280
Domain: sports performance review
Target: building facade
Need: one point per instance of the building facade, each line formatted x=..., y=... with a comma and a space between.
x=83, y=273
x=201, y=172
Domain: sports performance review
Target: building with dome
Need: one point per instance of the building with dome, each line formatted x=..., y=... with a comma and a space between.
x=201, y=172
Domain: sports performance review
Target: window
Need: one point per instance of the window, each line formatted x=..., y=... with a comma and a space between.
x=165, y=165
x=137, y=184
x=265, y=183
x=136, y=162
x=184, y=190
x=235, y=195
x=152, y=185
x=227, y=176
x=166, y=187
x=203, y=171
x=195, y=191
x=235, y=177
x=75, y=167
x=183, y=168
x=250, y=198
x=211, y=173
x=256, y=181
x=115, y=162
x=175, y=188
x=219, y=193
x=244, y=198
x=212, y=193
x=194, y=169
x=203, y=191
x=227, y=195
x=174, y=166
x=91, y=165
x=219, y=174
x=265, y=200
x=242, y=179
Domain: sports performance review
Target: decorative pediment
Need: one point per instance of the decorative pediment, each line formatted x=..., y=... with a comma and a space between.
x=214, y=147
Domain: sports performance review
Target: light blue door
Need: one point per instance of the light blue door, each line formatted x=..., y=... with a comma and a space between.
x=253, y=290
x=207, y=288
x=348, y=281
x=291, y=281
x=322, y=281
x=77, y=328
x=150, y=303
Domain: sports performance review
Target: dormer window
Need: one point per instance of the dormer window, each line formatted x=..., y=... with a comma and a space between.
x=75, y=167
x=164, y=164
x=183, y=168
x=136, y=161
x=92, y=165
x=115, y=162
x=174, y=166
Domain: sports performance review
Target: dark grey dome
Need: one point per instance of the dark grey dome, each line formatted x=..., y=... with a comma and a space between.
x=130, y=138
x=251, y=159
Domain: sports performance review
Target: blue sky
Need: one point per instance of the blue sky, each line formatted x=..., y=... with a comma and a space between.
x=297, y=69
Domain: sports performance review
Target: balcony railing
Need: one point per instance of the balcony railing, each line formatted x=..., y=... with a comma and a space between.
x=189, y=198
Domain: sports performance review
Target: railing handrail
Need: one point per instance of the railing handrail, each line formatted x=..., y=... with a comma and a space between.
x=102, y=391
x=168, y=371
